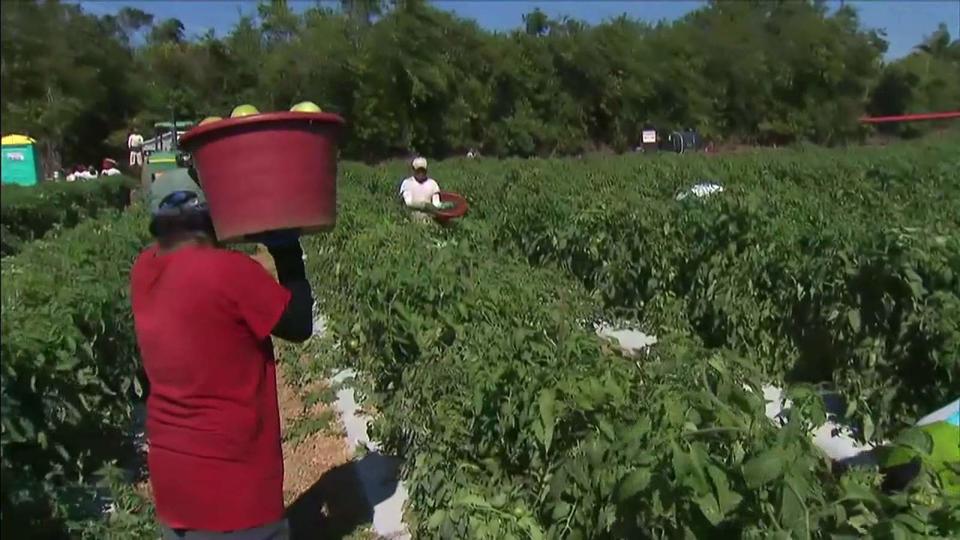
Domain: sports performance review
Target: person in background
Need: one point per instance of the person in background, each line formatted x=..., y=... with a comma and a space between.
x=203, y=318
x=85, y=173
x=420, y=192
x=77, y=173
x=109, y=167
x=135, y=145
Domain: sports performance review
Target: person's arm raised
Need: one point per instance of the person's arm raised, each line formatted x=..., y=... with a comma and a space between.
x=283, y=309
x=296, y=321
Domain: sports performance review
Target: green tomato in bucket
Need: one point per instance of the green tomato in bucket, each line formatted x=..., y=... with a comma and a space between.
x=306, y=106
x=243, y=110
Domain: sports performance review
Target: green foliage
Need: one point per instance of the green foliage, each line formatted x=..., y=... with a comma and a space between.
x=924, y=81
x=412, y=78
x=66, y=79
x=515, y=421
x=828, y=268
x=307, y=425
x=69, y=369
x=130, y=516
x=474, y=344
x=28, y=213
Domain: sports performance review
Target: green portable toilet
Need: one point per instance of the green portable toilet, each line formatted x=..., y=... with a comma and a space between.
x=20, y=161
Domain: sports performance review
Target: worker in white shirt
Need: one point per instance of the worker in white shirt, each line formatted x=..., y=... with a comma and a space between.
x=420, y=192
x=109, y=168
x=135, y=145
x=89, y=174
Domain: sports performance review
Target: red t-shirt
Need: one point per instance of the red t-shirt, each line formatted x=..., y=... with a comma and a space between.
x=203, y=319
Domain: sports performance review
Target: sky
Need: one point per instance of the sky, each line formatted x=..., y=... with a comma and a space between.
x=905, y=22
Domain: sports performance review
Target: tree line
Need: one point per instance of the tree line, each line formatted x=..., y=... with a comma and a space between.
x=412, y=78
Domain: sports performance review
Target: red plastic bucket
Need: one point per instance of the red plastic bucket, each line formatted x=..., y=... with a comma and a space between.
x=459, y=209
x=268, y=171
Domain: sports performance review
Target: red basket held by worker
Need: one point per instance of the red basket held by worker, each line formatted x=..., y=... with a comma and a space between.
x=268, y=171
x=459, y=209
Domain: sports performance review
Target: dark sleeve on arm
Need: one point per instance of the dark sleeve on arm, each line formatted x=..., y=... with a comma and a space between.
x=296, y=321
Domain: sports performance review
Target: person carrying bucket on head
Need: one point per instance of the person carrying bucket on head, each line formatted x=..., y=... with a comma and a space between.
x=203, y=318
x=420, y=192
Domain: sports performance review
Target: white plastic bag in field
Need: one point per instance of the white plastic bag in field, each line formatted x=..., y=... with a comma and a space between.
x=835, y=438
x=703, y=189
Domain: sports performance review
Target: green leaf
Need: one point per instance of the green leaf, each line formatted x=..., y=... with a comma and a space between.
x=436, y=519
x=792, y=514
x=560, y=511
x=710, y=508
x=858, y=492
x=727, y=500
x=868, y=427
x=763, y=469
x=634, y=482
x=547, y=403
x=916, y=439
x=532, y=528
x=471, y=500
x=853, y=317
x=606, y=428
x=915, y=282
x=913, y=523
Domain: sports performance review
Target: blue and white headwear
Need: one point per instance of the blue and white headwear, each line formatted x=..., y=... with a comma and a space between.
x=174, y=192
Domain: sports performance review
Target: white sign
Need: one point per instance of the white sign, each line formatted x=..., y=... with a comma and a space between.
x=15, y=156
x=649, y=136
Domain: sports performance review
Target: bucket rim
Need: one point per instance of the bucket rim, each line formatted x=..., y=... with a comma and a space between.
x=261, y=118
x=459, y=210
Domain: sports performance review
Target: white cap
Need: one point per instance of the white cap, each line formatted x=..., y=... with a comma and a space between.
x=419, y=163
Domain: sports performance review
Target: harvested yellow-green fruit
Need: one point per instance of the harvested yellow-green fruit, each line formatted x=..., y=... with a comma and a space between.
x=306, y=106
x=243, y=110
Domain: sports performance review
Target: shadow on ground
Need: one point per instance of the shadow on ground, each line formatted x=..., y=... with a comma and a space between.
x=336, y=506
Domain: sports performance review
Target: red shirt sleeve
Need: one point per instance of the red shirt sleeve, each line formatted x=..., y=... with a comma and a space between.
x=254, y=293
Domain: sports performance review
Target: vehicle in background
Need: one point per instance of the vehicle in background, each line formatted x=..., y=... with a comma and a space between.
x=161, y=151
x=681, y=141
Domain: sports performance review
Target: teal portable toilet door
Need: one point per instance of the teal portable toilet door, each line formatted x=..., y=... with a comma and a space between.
x=19, y=165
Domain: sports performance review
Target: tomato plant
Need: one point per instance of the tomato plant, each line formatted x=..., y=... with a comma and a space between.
x=476, y=347
x=28, y=213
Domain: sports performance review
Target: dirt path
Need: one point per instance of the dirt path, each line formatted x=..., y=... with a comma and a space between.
x=313, y=441
x=320, y=487
x=323, y=495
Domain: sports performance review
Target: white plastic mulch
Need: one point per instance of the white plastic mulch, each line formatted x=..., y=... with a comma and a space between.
x=377, y=473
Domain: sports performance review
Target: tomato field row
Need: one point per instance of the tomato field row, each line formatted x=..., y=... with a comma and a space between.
x=476, y=348
x=814, y=268
x=831, y=268
x=69, y=368
x=28, y=213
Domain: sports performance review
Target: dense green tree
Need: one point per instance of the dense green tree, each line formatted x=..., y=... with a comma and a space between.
x=926, y=80
x=65, y=79
x=411, y=78
x=169, y=31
